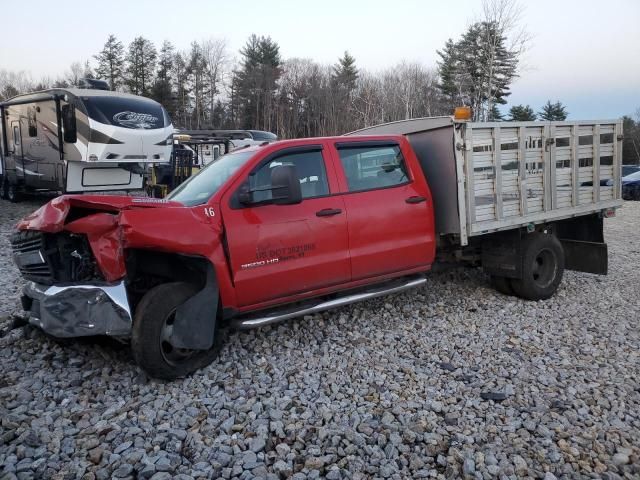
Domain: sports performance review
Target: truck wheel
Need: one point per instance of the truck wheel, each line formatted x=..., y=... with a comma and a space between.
x=12, y=192
x=502, y=284
x=4, y=186
x=152, y=327
x=542, y=267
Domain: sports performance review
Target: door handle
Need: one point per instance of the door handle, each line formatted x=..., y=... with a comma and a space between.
x=415, y=200
x=328, y=212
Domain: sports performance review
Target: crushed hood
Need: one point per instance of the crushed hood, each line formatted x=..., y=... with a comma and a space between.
x=114, y=223
x=52, y=217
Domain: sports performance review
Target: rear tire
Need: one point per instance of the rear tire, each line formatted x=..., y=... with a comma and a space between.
x=542, y=267
x=4, y=184
x=502, y=285
x=12, y=192
x=150, y=343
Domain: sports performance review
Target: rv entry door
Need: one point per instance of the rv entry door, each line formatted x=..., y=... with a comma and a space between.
x=15, y=149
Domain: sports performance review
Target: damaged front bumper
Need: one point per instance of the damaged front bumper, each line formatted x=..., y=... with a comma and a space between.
x=78, y=310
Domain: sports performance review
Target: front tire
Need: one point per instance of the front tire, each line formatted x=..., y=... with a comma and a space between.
x=150, y=338
x=542, y=267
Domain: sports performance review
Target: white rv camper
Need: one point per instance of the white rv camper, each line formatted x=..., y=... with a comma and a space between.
x=76, y=140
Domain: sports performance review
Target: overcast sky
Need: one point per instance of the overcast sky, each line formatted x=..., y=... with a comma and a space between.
x=584, y=53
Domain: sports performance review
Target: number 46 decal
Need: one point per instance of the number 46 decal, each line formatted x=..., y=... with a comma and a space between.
x=209, y=212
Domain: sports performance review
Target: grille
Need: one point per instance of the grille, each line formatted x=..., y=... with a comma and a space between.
x=50, y=258
x=30, y=257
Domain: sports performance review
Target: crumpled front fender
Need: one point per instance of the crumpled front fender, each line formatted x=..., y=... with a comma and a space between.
x=104, y=235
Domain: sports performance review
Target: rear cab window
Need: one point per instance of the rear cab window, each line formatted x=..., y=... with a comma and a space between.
x=370, y=167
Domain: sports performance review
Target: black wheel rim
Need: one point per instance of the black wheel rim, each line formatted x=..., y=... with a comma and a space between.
x=172, y=354
x=544, y=268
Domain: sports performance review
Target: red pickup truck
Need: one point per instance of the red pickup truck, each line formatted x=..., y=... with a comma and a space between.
x=262, y=234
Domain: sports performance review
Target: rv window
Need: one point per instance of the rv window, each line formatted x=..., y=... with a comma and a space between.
x=127, y=112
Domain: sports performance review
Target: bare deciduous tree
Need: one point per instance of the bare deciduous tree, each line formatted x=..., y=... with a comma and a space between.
x=214, y=52
x=506, y=17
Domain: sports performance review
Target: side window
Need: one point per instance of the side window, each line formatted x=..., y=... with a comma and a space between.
x=368, y=168
x=311, y=172
x=16, y=135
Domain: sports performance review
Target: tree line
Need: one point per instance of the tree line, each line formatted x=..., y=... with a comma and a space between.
x=631, y=141
x=204, y=87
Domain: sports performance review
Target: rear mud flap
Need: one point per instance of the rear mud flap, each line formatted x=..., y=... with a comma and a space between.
x=588, y=257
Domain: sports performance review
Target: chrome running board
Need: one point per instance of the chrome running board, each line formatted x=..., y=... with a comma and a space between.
x=306, y=309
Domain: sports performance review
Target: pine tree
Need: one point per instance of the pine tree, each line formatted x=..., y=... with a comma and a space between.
x=451, y=82
x=478, y=69
x=162, y=90
x=111, y=62
x=345, y=73
x=141, y=62
x=219, y=115
x=521, y=113
x=553, y=111
x=495, y=115
x=344, y=77
x=256, y=82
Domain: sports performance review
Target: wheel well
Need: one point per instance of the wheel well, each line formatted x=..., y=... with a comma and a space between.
x=581, y=237
x=148, y=268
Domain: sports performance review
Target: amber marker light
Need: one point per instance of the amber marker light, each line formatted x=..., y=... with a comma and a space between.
x=462, y=113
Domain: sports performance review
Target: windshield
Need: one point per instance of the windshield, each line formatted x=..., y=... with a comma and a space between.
x=199, y=188
x=127, y=112
x=633, y=176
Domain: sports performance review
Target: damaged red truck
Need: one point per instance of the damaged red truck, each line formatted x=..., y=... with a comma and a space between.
x=295, y=227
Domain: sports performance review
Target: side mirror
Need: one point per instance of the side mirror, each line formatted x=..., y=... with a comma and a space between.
x=70, y=134
x=245, y=196
x=285, y=185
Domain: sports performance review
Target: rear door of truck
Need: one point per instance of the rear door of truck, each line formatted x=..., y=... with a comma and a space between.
x=389, y=208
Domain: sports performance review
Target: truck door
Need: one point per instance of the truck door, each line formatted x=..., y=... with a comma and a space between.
x=389, y=210
x=284, y=250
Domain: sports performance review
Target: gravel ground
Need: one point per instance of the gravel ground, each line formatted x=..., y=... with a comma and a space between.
x=450, y=380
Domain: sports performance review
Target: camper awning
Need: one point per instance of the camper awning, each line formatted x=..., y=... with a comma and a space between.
x=30, y=98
